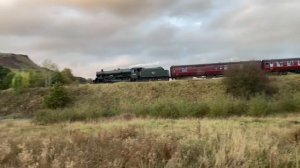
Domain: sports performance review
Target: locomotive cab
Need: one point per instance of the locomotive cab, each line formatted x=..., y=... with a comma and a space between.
x=135, y=73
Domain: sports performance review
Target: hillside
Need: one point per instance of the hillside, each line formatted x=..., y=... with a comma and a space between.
x=17, y=61
x=139, y=98
x=131, y=140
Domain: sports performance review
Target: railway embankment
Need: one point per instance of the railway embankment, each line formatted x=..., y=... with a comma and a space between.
x=173, y=99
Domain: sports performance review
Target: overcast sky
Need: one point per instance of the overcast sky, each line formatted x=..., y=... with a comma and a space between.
x=88, y=35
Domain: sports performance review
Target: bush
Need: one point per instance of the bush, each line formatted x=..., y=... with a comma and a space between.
x=78, y=113
x=259, y=106
x=247, y=81
x=198, y=110
x=58, y=97
x=165, y=109
x=288, y=102
x=225, y=107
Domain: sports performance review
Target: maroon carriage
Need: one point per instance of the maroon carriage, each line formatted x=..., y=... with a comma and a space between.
x=281, y=66
x=204, y=70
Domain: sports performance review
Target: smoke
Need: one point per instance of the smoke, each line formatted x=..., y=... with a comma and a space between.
x=148, y=65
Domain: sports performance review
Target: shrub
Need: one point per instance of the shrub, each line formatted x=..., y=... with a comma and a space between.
x=225, y=107
x=259, y=106
x=87, y=113
x=198, y=110
x=286, y=104
x=247, y=80
x=296, y=99
x=165, y=109
x=58, y=97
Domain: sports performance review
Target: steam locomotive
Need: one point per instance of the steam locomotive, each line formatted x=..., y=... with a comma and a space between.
x=131, y=75
x=274, y=66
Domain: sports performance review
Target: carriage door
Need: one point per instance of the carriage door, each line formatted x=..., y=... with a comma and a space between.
x=271, y=65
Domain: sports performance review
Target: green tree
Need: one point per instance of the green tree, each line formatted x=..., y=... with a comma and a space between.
x=4, y=78
x=36, y=79
x=57, y=77
x=8, y=80
x=17, y=82
x=68, y=77
x=58, y=97
x=20, y=81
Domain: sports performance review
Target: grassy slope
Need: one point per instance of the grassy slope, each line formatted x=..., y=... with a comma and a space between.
x=129, y=96
x=235, y=142
x=119, y=94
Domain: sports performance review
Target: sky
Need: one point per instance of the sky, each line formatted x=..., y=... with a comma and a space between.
x=90, y=35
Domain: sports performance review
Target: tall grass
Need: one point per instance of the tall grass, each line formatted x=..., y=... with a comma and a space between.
x=152, y=143
x=259, y=105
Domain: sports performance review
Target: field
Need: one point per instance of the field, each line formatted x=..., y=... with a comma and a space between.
x=132, y=142
x=156, y=124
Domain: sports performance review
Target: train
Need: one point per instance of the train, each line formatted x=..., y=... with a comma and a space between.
x=271, y=66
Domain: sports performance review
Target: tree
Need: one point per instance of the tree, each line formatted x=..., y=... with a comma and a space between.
x=8, y=80
x=17, y=83
x=4, y=78
x=67, y=76
x=36, y=79
x=57, y=77
x=49, y=67
x=247, y=80
x=20, y=81
x=58, y=97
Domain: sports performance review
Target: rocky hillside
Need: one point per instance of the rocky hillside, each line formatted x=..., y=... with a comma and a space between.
x=17, y=61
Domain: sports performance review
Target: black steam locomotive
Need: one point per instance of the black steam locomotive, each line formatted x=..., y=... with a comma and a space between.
x=131, y=75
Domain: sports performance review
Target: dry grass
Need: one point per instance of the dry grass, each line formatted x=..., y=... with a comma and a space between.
x=132, y=142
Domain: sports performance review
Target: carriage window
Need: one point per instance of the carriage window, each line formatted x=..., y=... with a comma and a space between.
x=289, y=63
x=281, y=64
x=271, y=65
x=277, y=64
x=298, y=62
x=184, y=69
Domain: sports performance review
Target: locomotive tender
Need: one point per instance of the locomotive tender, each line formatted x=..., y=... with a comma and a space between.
x=272, y=66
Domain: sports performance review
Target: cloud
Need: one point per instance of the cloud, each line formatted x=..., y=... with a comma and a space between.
x=92, y=34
